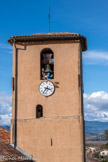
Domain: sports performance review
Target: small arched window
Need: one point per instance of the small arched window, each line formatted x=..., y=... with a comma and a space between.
x=39, y=111
x=47, y=64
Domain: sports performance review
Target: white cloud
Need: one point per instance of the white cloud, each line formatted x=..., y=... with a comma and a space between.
x=2, y=93
x=5, y=119
x=85, y=96
x=5, y=109
x=95, y=57
x=96, y=106
x=5, y=100
x=5, y=46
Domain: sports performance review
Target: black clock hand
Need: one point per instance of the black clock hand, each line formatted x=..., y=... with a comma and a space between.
x=45, y=90
x=48, y=88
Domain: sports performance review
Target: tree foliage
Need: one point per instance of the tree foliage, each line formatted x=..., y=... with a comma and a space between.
x=106, y=134
x=96, y=155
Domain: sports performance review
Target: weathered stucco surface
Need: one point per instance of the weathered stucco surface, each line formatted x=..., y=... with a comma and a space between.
x=62, y=121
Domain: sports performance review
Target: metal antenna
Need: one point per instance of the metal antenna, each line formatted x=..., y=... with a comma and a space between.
x=49, y=19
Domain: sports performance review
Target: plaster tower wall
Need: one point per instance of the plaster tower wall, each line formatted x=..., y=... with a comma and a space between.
x=58, y=135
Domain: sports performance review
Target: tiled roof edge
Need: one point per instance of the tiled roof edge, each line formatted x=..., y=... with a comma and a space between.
x=50, y=36
x=23, y=153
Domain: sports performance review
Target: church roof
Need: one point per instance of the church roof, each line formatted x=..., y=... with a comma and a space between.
x=7, y=152
x=41, y=37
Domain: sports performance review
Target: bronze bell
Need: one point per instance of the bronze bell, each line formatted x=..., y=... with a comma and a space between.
x=48, y=69
x=51, y=76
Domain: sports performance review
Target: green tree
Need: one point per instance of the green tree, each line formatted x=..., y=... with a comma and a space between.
x=106, y=134
x=96, y=155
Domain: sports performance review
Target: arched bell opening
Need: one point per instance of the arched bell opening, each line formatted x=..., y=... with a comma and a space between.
x=47, y=64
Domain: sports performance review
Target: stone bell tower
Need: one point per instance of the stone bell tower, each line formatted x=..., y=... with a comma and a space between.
x=47, y=106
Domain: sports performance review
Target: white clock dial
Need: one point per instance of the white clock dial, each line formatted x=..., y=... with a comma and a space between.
x=46, y=88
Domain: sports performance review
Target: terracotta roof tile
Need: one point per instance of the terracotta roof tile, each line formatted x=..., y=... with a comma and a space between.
x=40, y=37
x=7, y=152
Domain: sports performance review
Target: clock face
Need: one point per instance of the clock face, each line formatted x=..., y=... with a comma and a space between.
x=46, y=88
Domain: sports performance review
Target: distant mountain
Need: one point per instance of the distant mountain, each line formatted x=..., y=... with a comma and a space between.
x=95, y=126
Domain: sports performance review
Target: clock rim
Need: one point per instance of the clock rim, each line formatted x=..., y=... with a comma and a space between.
x=50, y=82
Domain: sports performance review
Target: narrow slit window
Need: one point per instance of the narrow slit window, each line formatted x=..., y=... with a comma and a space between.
x=39, y=111
x=51, y=142
x=47, y=64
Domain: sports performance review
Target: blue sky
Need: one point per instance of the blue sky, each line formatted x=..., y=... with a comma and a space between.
x=87, y=17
